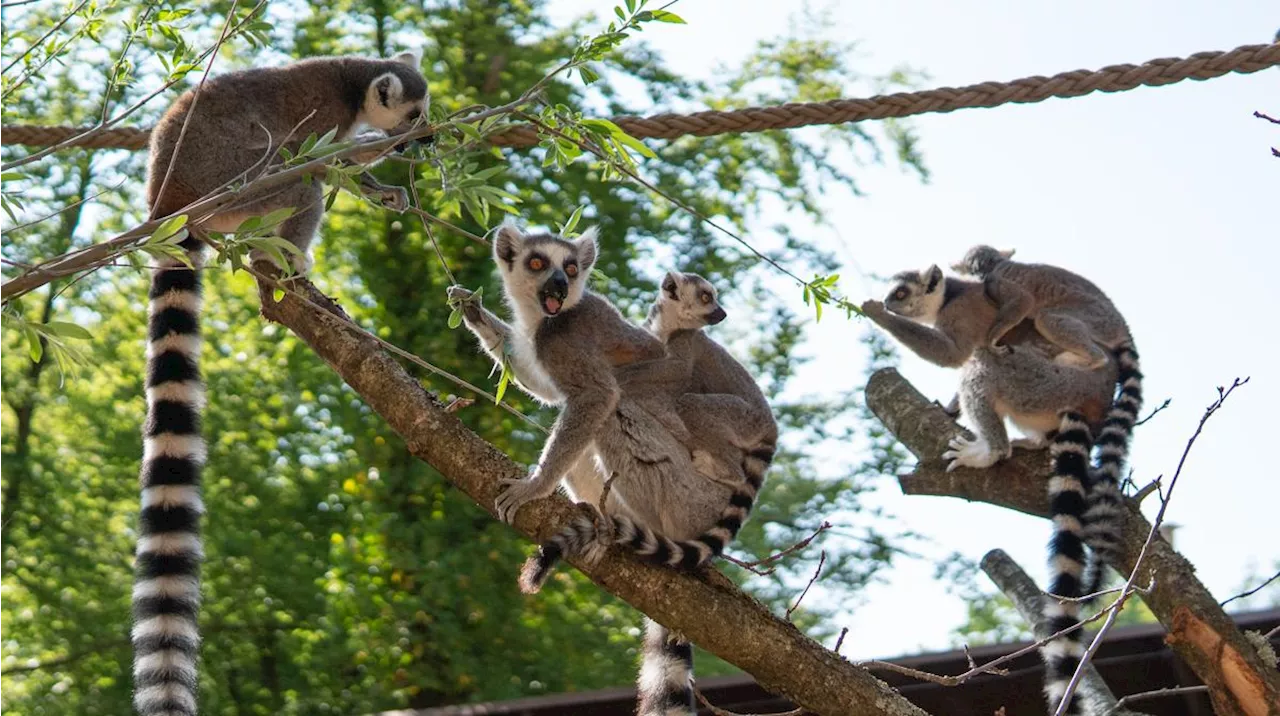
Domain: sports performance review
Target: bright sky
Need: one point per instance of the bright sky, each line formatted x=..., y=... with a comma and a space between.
x=1157, y=195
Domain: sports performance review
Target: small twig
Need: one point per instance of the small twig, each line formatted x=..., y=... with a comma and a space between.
x=426, y=226
x=1271, y=633
x=1251, y=592
x=1158, y=693
x=1152, y=414
x=66, y=208
x=717, y=711
x=752, y=566
x=458, y=404
x=822, y=560
x=844, y=631
x=1147, y=489
x=1113, y=612
x=1267, y=117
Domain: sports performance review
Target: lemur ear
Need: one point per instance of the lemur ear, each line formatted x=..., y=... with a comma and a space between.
x=388, y=88
x=671, y=285
x=1008, y=254
x=587, y=248
x=932, y=276
x=412, y=58
x=507, y=241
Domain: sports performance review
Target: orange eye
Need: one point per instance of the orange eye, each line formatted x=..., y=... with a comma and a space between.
x=537, y=263
x=900, y=294
x=571, y=269
x=706, y=297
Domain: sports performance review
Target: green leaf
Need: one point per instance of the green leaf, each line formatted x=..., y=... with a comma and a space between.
x=567, y=230
x=667, y=16
x=34, y=348
x=633, y=143
x=278, y=216
x=455, y=318
x=168, y=230
x=277, y=295
x=503, y=380
x=67, y=330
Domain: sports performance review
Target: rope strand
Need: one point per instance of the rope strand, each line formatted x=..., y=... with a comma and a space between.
x=1116, y=78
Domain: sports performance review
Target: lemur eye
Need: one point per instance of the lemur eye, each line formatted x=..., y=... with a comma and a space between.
x=900, y=294
x=571, y=269
x=706, y=297
x=413, y=114
x=537, y=263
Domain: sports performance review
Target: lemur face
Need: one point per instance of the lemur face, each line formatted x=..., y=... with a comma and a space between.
x=688, y=301
x=397, y=98
x=917, y=296
x=543, y=269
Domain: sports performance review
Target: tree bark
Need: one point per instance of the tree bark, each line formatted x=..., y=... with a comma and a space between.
x=1240, y=682
x=705, y=606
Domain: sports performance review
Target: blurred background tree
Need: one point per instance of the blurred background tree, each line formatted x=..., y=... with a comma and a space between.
x=342, y=576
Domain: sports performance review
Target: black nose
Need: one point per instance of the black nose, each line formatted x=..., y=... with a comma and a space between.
x=557, y=285
x=716, y=316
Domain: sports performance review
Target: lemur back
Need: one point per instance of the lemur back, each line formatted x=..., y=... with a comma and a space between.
x=239, y=120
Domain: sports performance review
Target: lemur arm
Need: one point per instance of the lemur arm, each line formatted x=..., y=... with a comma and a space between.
x=669, y=375
x=494, y=336
x=1013, y=305
x=591, y=395
x=928, y=343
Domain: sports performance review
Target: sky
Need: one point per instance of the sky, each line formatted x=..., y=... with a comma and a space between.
x=1165, y=197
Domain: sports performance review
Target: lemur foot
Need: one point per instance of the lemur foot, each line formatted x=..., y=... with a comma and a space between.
x=1002, y=349
x=517, y=492
x=970, y=453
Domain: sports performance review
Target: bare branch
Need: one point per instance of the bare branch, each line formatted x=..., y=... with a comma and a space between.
x=1158, y=693
x=1253, y=591
x=822, y=560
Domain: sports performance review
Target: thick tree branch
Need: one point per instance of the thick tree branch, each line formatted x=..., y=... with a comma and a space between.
x=1240, y=683
x=706, y=607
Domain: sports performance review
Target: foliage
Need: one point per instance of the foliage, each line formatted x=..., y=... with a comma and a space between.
x=342, y=575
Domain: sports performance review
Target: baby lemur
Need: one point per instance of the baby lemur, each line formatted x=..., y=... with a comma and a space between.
x=237, y=126
x=1040, y=396
x=1067, y=309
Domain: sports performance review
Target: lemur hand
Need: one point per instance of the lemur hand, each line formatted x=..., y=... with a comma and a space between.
x=517, y=493
x=468, y=300
x=872, y=309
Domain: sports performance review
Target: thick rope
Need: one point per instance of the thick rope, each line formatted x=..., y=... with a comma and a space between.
x=1116, y=78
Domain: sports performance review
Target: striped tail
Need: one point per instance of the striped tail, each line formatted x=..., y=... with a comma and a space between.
x=1103, y=515
x=1068, y=485
x=166, y=589
x=665, y=687
x=580, y=534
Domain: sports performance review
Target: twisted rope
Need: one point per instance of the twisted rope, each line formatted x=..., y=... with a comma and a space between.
x=1116, y=78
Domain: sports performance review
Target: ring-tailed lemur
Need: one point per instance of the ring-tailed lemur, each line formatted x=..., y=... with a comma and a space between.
x=1040, y=394
x=564, y=348
x=241, y=117
x=1074, y=314
x=568, y=345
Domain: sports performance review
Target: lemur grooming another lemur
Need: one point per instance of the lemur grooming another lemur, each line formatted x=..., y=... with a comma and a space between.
x=237, y=126
x=957, y=323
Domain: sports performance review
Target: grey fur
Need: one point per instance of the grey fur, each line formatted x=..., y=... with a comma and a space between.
x=243, y=118
x=1067, y=309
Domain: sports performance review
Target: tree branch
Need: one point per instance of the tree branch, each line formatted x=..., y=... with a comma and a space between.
x=706, y=607
x=1030, y=602
x=1240, y=682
